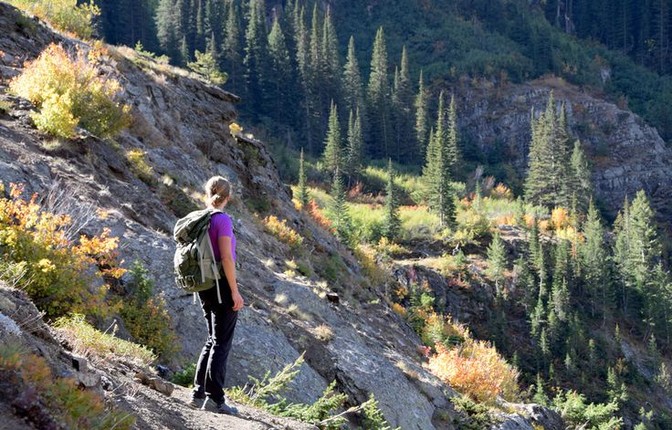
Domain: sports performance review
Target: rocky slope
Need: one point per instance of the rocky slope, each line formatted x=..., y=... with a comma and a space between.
x=181, y=124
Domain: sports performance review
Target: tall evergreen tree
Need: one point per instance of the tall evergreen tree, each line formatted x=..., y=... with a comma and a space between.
x=452, y=148
x=355, y=144
x=302, y=196
x=402, y=102
x=378, y=93
x=437, y=170
x=279, y=79
x=421, y=116
x=167, y=27
x=256, y=56
x=352, y=80
x=580, y=184
x=548, y=161
x=333, y=157
x=340, y=218
x=594, y=260
x=232, y=48
x=391, y=220
x=496, y=260
x=330, y=81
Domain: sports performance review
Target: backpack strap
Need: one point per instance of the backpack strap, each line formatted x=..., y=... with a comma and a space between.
x=215, y=271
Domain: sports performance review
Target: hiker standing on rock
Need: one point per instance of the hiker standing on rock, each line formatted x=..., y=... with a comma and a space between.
x=220, y=308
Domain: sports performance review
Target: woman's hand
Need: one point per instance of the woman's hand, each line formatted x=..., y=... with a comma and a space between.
x=238, y=301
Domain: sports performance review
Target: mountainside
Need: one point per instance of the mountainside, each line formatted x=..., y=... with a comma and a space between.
x=317, y=298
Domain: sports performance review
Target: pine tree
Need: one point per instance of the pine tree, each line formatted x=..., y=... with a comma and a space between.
x=167, y=26
x=332, y=145
x=548, y=161
x=355, y=145
x=452, y=151
x=279, y=80
x=378, y=94
x=496, y=259
x=580, y=183
x=256, y=56
x=421, y=116
x=352, y=80
x=402, y=102
x=436, y=173
x=594, y=260
x=339, y=210
x=231, y=49
x=302, y=195
x=391, y=221
x=331, y=67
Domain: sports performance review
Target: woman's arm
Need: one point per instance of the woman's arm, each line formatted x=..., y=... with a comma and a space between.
x=229, y=266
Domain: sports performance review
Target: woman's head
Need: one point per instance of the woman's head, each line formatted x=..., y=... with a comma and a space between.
x=217, y=191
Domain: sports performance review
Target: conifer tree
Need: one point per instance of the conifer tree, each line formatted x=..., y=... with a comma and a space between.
x=496, y=259
x=330, y=79
x=231, y=49
x=452, y=151
x=378, y=93
x=167, y=24
x=580, y=185
x=332, y=145
x=353, y=96
x=548, y=161
x=355, y=145
x=339, y=210
x=402, y=113
x=637, y=248
x=391, y=221
x=421, y=116
x=256, y=55
x=302, y=195
x=436, y=173
x=594, y=260
x=280, y=77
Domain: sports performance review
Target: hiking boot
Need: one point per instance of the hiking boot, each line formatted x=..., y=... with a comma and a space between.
x=218, y=408
x=196, y=401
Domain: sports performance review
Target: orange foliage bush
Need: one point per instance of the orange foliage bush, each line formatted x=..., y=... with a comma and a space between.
x=318, y=216
x=283, y=232
x=36, y=242
x=475, y=369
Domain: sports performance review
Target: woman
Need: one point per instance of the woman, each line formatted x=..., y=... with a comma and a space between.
x=220, y=317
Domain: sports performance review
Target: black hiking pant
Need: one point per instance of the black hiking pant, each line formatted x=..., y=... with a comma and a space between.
x=221, y=320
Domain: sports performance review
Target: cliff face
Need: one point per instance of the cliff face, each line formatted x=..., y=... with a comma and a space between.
x=626, y=154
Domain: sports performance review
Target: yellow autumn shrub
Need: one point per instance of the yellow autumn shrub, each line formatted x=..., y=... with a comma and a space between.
x=65, y=15
x=476, y=369
x=56, y=269
x=283, y=232
x=70, y=91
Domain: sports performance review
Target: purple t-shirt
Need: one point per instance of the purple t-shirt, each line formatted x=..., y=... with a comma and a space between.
x=221, y=225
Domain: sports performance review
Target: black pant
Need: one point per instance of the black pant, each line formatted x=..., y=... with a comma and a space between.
x=221, y=320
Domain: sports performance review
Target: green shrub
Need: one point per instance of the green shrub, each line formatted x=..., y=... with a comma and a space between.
x=186, y=376
x=574, y=410
x=69, y=93
x=145, y=315
x=266, y=393
x=65, y=15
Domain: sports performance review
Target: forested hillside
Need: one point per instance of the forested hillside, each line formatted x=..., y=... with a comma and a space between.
x=514, y=40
